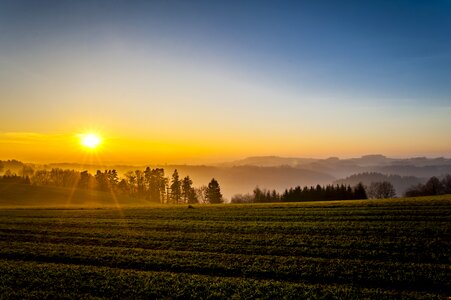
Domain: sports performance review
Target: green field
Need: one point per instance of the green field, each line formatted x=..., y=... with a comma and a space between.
x=32, y=196
x=344, y=249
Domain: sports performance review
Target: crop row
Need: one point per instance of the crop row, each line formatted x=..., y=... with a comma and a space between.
x=342, y=208
x=426, y=227
x=48, y=280
x=387, y=249
x=365, y=273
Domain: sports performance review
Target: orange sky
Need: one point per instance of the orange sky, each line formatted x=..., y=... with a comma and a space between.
x=67, y=147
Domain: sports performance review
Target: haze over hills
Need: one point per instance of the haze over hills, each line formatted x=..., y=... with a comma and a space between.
x=400, y=183
x=365, y=160
x=402, y=173
x=273, y=172
x=334, y=166
x=234, y=179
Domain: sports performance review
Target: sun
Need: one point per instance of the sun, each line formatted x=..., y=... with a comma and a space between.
x=90, y=140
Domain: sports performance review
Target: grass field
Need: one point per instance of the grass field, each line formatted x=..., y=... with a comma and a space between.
x=344, y=249
x=26, y=195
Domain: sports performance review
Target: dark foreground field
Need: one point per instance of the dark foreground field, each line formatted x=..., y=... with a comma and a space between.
x=350, y=249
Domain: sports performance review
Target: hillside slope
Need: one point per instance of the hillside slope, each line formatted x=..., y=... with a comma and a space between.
x=17, y=195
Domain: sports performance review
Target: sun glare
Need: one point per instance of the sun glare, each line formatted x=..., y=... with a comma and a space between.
x=90, y=140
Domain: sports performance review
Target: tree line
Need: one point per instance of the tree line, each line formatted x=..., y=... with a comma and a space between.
x=328, y=192
x=434, y=186
x=399, y=183
x=149, y=184
x=154, y=186
x=299, y=194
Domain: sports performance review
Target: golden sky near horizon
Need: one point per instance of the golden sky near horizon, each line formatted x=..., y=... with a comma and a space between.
x=204, y=148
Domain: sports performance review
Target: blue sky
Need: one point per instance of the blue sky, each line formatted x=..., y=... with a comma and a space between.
x=262, y=69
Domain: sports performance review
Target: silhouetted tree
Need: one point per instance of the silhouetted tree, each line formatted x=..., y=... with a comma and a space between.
x=240, y=198
x=200, y=194
x=84, y=181
x=446, y=182
x=149, y=184
x=140, y=183
x=164, y=190
x=101, y=180
x=259, y=195
x=192, y=197
x=27, y=171
x=155, y=186
x=188, y=192
x=176, y=192
x=263, y=196
x=113, y=178
x=359, y=192
x=213, y=193
x=433, y=186
x=41, y=177
x=320, y=193
x=160, y=183
x=13, y=178
x=130, y=179
x=123, y=186
x=275, y=197
x=400, y=183
x=415, y=191
x=381, y=190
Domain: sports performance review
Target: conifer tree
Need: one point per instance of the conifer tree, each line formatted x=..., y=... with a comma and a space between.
x=176, y=193
x=213, y=193
x=186, y=188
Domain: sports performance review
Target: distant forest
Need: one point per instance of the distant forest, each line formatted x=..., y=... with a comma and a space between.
x=400, y=183
x=434, y=186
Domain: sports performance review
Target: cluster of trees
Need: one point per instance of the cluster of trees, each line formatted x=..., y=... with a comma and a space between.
x=433, y=186
x=400, y=183
x=328, y=192
x=258, y=196
x=298, y=194
x=154, y=186
x=150, y=184
x=13, y=178
x=55, y=177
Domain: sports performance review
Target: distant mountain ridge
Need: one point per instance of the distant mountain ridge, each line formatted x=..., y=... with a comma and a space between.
x=365, y=160
x=269, y=161
x=334, y=166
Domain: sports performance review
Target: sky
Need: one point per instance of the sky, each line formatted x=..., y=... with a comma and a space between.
x=209, y=81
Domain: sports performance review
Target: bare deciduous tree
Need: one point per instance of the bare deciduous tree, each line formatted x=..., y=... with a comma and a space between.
x=381, y=190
